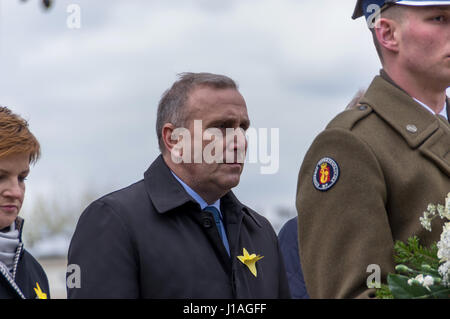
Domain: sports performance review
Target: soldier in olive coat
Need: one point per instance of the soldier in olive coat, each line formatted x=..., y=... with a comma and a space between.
x=368, y=177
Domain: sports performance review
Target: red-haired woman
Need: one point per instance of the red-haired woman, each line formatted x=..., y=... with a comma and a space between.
x=21, y=276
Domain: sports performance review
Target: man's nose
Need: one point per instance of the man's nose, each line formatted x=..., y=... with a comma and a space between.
x=238, y=145
x=238, y=140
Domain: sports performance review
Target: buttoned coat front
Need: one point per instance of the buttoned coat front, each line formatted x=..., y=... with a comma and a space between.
x=151, y=240
x=393, y=158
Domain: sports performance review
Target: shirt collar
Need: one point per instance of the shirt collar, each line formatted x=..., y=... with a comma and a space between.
x=203, y=204
x=166, y=194
x=386, y=77
x=442, y=113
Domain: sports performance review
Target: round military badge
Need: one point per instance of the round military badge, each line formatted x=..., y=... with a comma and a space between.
x=326, y=174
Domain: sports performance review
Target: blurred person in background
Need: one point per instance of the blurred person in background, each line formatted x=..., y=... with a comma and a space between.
x=288, y=238
x=21, y=276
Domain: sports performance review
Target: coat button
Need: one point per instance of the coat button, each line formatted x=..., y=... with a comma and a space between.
x=411, y=128
x=207, y=222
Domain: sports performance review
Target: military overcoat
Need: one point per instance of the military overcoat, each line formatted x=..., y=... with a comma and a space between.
x=363, y=184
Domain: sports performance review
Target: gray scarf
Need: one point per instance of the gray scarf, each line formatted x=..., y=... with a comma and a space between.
x=9, y=241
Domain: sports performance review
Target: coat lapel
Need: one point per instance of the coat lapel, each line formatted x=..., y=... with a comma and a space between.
x=421, y=130
x=448, y=110
x=437, y=148
x=163, y=189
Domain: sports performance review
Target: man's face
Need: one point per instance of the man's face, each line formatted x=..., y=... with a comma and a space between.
x=425, y=44
x=219, y=111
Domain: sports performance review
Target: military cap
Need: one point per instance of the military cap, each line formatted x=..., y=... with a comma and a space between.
x=361, y=5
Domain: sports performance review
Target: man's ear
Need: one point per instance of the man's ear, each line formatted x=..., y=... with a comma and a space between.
x=169, y=140
x=387, y=33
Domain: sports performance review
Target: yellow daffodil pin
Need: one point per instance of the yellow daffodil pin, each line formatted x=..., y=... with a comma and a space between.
x=250, y=260
x=39, y=293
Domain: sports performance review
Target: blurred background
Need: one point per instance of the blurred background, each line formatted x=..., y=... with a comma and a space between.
x=88, y=76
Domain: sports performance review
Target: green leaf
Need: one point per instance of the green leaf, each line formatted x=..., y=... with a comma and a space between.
x=426, y=270
x=415, y=255
x=414, y=259
x=440, y=292
x=384, y=293
x=400, y=288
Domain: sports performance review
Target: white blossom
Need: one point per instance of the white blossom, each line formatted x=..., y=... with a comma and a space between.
x=431, y=209
x=430, y=213
x=425, y=222
x=444, y=271
x=444, y=212
x=444, y=244
x=427, y=282
x=419, y=279
x=428, y=216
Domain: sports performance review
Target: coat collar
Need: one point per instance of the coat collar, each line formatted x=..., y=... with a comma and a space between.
x=448, y=109
x=400, y=111
x=419, y=128
x=163, y=189
x=166, y=193
x=233, y=203
x=19, y=226
x=386, y=77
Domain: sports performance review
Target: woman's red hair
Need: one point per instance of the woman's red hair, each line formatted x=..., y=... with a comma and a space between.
x=15, y=137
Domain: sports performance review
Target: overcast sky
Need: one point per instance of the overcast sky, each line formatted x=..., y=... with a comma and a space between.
x=90, y=94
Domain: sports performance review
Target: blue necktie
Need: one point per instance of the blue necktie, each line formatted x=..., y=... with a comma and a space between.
x=217, y=218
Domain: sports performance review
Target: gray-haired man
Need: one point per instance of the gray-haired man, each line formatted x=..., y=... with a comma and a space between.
x=180, y=232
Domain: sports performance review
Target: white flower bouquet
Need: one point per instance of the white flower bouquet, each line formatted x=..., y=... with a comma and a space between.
x=422, y=272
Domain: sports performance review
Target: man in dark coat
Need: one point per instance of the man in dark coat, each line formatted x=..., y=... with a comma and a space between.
x=288, y=238
x=180, y=232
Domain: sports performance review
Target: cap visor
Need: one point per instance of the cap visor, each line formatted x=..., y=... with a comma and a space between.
x=358, y=12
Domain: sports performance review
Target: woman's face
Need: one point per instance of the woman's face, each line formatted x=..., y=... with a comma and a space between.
x=14, y=169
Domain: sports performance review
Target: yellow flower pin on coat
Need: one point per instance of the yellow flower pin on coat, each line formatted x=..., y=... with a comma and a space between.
x=39, y=293
x=250, y=261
